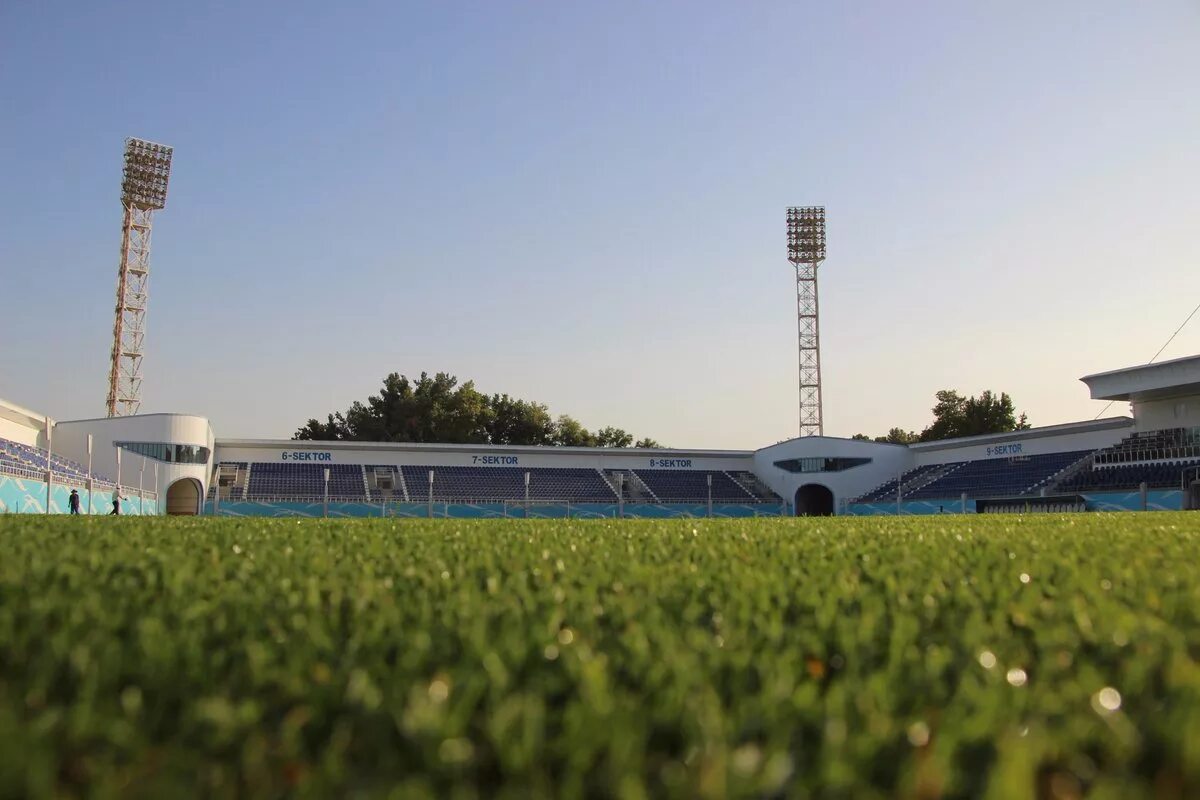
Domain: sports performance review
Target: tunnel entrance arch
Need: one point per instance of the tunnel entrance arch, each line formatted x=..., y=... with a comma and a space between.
x=814, y=500
x=183, y=497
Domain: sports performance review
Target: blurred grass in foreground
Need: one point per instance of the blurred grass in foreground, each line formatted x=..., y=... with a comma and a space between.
x=919, y=657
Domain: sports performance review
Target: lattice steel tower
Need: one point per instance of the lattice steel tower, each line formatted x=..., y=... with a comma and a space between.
x=806, y=251
x=143, y=191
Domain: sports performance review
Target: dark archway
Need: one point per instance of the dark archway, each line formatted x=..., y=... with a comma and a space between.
x=814, y=500
x=183, y=497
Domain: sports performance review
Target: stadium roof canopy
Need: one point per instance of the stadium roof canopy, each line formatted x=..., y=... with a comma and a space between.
x=1044, y=431
x=438, y=447
x=22, y=416
x=1177, y=378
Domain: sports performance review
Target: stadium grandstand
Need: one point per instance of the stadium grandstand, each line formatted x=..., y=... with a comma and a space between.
x=171, y=463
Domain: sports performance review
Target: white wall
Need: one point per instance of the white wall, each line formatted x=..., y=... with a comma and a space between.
x=21, y=425
x=1177, y=376
x=1026, y=443
x=1157, y=415
x=887, y=461
x=17, y=432
x=70, y=441
x=324, y=453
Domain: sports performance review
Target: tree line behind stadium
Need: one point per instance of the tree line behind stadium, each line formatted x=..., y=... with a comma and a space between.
x=441, y=410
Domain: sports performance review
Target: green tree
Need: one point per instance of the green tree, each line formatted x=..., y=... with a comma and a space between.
x=332, y=431
x=568, y=432
x=948, y=415
x=440, y=409
x=613, y=437
x=898, y=436
x=429, y=409
x=647, y=443
x=516, y=421
x=955, y=416
x=861, y=437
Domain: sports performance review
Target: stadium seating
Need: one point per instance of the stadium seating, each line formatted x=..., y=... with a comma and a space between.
x=269, y=480
x=482, y=484
x=1156, y=458
x=1161, y=475
x=385, y=472
x=461, y=484
x=33, y=459
x=750, y=482
x=998, y=477
x=369, y=482
x=231, y=476
x=1173, y=444
x=578, y=485
x=913, y=479
x=691, y=486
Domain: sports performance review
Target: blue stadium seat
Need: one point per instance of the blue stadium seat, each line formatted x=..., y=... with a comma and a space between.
x=33, y=459
x=481, y=484
x=691, y=486
x=271, y=480
x=997, y=477
x=1156, y=458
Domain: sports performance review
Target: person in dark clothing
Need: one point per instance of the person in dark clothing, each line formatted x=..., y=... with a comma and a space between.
x=73, y=502
x=116, y=507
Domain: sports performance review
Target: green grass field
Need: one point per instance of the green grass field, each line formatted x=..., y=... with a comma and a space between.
x=922, y=657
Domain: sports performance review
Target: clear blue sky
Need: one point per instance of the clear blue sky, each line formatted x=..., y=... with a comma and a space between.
x=582, y=203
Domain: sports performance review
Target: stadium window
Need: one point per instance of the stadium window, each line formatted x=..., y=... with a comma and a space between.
x=818, y=464
x=168, y=453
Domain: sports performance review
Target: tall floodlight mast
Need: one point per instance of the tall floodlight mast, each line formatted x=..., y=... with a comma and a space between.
x=143, y=191
x=806, y=251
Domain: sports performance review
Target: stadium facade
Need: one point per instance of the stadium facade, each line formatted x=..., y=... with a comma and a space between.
x=171, y=463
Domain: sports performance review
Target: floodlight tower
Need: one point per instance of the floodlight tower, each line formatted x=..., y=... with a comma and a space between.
x=143, y=191
x=806, y=250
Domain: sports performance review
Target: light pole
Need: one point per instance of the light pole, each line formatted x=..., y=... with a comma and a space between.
x=91, y=488
x=49, y=466
x=143, y=191
x=1185, y=501
x=806, y=251
x=117, y=488
x=709, y=476
x=326, y=497
x=429, y=510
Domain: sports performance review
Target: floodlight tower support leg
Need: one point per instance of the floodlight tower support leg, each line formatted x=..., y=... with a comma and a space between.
x=808, y=327
x=129, y=329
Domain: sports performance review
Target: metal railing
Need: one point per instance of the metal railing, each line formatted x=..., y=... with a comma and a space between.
x=22, y=471
x=506, y=507
x=484, y=500
x=73, y=481
x=575, y=509
x=1194, y=469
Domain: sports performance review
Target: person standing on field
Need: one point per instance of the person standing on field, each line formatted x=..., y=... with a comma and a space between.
x=73, y=502
x=116, y=512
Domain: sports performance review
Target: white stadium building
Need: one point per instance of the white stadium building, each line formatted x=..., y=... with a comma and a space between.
x=171, y=463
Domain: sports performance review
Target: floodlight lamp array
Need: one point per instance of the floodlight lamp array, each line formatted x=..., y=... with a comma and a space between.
x=147, y=168
x=806, y=234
